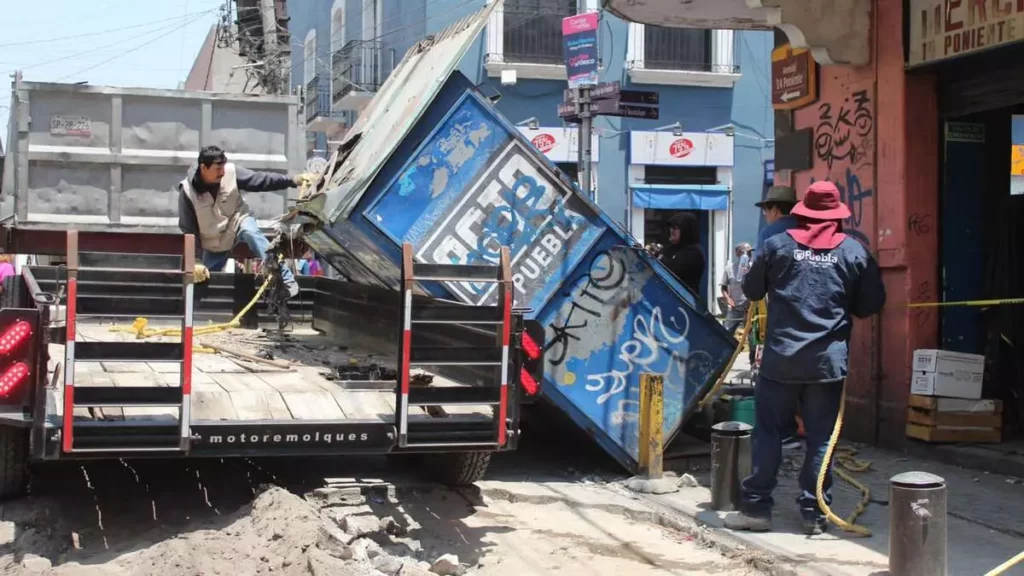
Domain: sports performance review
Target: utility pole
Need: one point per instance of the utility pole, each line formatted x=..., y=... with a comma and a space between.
x=277, y=79
x=585, y=153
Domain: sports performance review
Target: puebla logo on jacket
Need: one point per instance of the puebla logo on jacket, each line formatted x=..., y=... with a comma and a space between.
x=827, y=258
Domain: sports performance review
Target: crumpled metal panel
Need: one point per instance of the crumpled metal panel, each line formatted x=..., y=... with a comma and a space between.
x=400, y=102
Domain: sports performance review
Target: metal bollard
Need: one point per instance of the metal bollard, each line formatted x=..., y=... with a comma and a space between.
x=730, y=463
x=917, y=525
x=652, y=421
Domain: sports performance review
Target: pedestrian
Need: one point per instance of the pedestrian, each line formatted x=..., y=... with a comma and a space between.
x=732, y=290
x=6, y=266
x=683, y=255
x=817, y=279
x=210, y=206
x=776, y=208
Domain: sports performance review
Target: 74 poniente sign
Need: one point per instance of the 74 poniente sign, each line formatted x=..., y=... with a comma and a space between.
x=794, y=78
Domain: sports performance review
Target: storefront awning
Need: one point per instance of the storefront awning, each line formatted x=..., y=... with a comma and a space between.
x=681, y=196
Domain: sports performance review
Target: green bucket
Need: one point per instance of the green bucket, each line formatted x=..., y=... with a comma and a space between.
x=742, y=410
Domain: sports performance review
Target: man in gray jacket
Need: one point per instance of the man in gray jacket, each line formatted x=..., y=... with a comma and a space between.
x=211, y=207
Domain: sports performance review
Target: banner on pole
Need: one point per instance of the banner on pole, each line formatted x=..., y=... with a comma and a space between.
x=579, y=35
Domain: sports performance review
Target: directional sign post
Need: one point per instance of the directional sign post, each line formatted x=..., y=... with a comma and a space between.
x=794, y=78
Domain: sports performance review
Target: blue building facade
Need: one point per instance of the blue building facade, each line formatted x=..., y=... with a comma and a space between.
x=707, y=153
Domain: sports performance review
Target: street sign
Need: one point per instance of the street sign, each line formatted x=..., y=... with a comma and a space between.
x=794, y=78
x=645, y=97
x=617, y=108
x=568, y=109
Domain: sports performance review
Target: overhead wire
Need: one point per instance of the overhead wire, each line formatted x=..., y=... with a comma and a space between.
x=130, y=50
x=102, y=32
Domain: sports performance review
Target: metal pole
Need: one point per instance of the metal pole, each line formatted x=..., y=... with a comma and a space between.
x=586, y=121
x=917, y=525
x=652, y=418
x=730, y=463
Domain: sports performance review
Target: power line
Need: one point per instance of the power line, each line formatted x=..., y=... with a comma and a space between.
x=133, y=49
x=122, y=41
x=108, y=31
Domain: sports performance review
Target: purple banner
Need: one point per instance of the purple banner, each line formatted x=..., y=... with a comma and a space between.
x=579, y=34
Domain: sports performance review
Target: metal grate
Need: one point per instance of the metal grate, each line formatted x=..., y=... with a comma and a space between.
x=317, y=99
x=533, y=30
x=356, y=66
x=678, y=49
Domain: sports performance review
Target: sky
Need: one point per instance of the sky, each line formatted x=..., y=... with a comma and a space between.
x=104, y=42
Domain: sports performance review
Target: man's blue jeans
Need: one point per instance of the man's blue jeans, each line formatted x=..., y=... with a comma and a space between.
x=248, y=232
x=775, y=407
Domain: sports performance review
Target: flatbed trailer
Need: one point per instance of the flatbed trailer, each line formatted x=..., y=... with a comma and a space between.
x=375, y=370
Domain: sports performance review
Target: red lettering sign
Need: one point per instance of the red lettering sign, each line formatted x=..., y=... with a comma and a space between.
x=681, y=148
x=543, y=142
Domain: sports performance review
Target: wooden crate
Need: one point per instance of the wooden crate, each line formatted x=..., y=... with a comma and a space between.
x=936, y=419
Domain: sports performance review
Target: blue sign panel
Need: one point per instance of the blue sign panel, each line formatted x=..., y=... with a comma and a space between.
x=579, y=34
x=621, y=317
x=474, y=187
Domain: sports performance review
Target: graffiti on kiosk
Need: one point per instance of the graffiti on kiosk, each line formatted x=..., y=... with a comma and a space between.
x=650, y=349
x=602, y=314
x=853, y=194
x=513, y=204
x=844, y=133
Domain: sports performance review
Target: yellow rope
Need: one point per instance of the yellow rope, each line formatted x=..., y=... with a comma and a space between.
x=140, y=327
x=845, y=457
x=1005, y=565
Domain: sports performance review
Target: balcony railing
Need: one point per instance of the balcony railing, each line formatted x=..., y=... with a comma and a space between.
x=356, y=66
x=532, y=30
x=317, y=98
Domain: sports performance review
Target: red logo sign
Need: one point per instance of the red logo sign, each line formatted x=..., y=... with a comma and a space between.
x=543, y=142
x=681, y=148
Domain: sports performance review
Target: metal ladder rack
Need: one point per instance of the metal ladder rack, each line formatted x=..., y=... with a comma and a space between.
x=417, y=434
x=121, y=437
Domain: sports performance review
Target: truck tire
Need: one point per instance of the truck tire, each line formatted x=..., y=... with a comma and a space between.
x=459, y=468
x=10, y=293
x=13, y=461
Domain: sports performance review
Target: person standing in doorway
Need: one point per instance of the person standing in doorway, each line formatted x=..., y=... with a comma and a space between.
x=776, y=208
x=683, y=255
x=817, y=279
x=732, y=290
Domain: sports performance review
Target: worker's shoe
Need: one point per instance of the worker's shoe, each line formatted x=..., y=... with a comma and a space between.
x=815, y=526
x=746, y=522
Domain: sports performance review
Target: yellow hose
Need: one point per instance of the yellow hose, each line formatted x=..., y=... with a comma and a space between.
x=845, y=457
x=140, y=327
x=1005, y=565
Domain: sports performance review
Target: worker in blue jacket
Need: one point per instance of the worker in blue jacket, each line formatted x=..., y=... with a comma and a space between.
x=816, y=279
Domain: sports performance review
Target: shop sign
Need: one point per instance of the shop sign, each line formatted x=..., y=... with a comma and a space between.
x=794, y=78
x=687, y=149
x=559, y=144
x=941, y=29
x=970, y=132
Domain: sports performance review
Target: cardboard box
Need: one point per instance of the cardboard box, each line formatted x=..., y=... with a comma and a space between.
x=944, y=361
x=950, y=384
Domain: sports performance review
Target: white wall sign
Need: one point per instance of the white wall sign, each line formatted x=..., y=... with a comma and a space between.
x=688, y=149
x=941, y=29
x=559, y=144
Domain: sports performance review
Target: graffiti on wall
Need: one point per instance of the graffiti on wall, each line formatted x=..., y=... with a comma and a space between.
x=619, y=320
x=844, y=149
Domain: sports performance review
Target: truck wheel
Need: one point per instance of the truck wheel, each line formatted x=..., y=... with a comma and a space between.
x=459, y=468
x=13, y=461
x=10, y=292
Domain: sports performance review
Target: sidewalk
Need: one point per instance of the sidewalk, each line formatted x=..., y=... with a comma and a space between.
x=985, y=516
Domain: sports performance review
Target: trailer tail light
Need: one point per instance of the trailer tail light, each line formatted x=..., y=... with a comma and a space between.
x=533, y=353
x=14, y=336
x=13, y=378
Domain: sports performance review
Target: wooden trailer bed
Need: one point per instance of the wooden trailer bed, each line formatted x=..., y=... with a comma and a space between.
x=225, y=388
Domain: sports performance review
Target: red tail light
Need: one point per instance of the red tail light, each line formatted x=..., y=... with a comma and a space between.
x=12, y=378
x=19, y=332
x=530, y=347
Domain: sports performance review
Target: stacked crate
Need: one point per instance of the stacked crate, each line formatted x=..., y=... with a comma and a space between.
x=945, y=399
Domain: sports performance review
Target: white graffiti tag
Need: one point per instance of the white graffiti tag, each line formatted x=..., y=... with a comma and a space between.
x=644, y=350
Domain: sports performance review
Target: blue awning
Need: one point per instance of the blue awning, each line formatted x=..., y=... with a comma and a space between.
x=681, y=196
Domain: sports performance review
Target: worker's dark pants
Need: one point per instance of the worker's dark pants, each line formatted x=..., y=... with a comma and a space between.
x=775, y=408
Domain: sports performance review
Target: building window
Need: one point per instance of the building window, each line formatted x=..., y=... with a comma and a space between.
x=682, y=56
x=337, y=25
x=677, y=48
x=309, y=62
x=533, y=30
x=526, y=36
